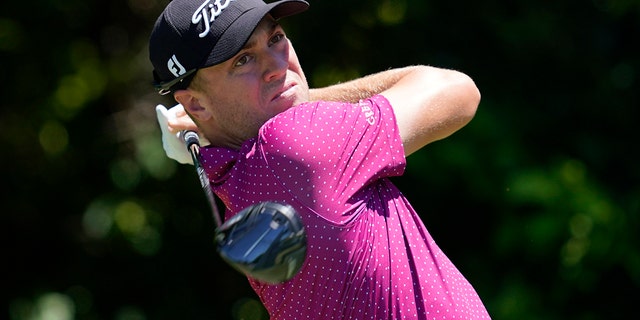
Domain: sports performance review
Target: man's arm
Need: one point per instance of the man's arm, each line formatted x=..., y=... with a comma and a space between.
x=361, y=88
x=429, y=103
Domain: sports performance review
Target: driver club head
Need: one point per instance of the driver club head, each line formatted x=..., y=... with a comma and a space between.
x=266, y=241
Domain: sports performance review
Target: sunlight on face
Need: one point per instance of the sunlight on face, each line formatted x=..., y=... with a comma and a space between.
x=263, y=79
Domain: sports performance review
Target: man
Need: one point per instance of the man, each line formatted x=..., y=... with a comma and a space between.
x=327, y=152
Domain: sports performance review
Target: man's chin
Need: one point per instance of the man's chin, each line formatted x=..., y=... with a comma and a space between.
x=289, y=98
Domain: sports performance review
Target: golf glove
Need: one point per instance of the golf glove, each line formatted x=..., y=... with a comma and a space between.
x=173, y=144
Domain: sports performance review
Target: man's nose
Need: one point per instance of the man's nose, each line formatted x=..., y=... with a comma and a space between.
x=275, y=65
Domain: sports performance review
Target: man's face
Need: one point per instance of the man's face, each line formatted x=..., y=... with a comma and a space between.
x=260, y=81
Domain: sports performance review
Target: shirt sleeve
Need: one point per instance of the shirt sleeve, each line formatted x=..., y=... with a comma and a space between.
x=327, y=152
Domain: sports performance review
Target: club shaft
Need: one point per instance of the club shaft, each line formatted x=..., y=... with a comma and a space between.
x=192, y=143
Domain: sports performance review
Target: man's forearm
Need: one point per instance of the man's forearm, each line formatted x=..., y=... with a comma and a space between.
x=361, y=88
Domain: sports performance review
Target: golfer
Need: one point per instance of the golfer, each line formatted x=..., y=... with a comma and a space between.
x=327, y=152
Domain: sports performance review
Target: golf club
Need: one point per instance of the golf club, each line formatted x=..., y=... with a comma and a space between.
x=265, y=241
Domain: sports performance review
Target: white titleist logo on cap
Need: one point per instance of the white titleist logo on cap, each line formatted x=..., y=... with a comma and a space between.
x=207, y=12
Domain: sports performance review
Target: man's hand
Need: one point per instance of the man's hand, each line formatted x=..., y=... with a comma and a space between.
x=172, y=141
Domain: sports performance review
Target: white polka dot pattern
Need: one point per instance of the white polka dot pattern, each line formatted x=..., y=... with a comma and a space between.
x=369, y=255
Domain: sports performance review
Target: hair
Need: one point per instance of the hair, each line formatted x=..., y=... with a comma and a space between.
x=196, y=83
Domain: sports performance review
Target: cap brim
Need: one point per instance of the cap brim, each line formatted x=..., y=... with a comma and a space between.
x=235, y=37
x=283, y=9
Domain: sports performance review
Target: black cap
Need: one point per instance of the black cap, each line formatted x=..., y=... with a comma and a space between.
x=193, y=34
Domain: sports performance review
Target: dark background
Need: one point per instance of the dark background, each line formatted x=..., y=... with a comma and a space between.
x=536, y=201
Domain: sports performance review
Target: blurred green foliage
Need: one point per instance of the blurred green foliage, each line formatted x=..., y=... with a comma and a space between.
x=536, y=201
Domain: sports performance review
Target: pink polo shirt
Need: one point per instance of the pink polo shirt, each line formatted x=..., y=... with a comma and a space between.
x=369, y=256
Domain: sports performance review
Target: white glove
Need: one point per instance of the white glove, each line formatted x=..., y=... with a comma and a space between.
x=173, y=144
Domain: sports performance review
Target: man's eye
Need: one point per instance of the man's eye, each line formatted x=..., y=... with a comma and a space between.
x=277, y=38
x=243, y=60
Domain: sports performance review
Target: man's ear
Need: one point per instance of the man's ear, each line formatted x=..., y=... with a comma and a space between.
x=191, y=104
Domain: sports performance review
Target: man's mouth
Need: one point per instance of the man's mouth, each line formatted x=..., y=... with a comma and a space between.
x=284, y=91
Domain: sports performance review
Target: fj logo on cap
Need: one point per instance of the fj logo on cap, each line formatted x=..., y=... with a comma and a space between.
x=175, y=67
x=207, y=12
